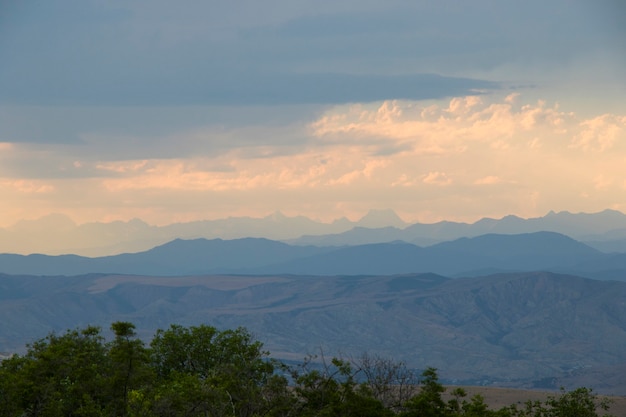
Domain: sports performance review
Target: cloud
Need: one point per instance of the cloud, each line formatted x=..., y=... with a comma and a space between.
x=437, y=178
x=469, y=139
x=600, y=133
x=145, y=108
x=601, y=182
x=241, y=88
x=470, y=142
x=436, y=130
x=489, y=180
x=424, y=158
x=27, y=186
x=195, y=53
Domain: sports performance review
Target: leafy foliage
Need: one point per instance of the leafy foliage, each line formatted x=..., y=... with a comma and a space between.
x=203, y=371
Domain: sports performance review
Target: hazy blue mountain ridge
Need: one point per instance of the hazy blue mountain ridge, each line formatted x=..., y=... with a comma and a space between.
x=178, y=257
x=524, y=252
x=605, y=230
x=465, y=256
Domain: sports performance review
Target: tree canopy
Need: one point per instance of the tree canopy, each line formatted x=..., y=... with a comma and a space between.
x=202, y=371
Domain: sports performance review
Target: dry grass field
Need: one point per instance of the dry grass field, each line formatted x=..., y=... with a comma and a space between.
x=501, y=397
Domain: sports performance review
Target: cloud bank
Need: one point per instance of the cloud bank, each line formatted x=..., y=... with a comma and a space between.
x=423, y=158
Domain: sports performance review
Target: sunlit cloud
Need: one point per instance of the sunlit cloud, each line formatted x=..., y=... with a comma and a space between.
x=5, y=146
x=601, y=182
x=437, y=178
x=601, y=133
x=364, y=172
x=27, y=186
x=436, y=129
x=490, y=155
x=489, y=180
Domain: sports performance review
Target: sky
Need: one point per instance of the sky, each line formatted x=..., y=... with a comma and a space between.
x=203, y=109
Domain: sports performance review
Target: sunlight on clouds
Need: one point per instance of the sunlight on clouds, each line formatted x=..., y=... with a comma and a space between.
x=5, y=146
x=537, y=151
x=173, y=174
x=405, y=181
x=600, y=134
x=514, y=157
x=437, y=178
x=28, y=186
x=463, y=105
x=490, y=156
x=601, y=182
x=365, y=172
x=287, y=172
x=123, y=167
x=511, y=98
x=436, y=129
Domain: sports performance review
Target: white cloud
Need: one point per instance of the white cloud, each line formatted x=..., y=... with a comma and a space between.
x=602, y=182
x=437, y=178
x=436, y=130
x=600, y=133
x=27, y=186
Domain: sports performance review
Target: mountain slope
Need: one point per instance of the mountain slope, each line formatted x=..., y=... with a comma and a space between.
x=511, y=329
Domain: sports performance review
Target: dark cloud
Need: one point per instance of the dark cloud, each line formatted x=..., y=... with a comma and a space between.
x=72, y=52
x=51, y=166
x=80, y=53
x=235, y=88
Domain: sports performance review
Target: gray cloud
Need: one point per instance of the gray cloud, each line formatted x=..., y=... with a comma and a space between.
x=238, y=88
x=209, y=53
x=120, y=79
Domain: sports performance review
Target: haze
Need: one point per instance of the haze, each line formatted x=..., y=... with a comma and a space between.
x=201, y=110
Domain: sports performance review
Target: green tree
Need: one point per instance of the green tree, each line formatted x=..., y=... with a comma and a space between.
x=333, y=390
x=202, y=371
x=581, y=402
x=11, y=385
x=58, y=376
x=227, y=371
x=428, y=402
x=128, y=359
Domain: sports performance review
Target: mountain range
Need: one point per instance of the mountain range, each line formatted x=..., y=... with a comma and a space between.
x=604, y=230
x=547, y=251
x=531, y=303
x=528, y=330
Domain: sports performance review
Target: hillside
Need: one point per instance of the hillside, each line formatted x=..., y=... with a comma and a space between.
x=521, y=330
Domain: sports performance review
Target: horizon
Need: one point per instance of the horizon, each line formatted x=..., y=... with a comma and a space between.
x=356, y=219
x=197, y=111
x=604, y=230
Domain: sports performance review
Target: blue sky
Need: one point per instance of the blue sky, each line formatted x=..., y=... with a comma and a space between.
x=202, y=109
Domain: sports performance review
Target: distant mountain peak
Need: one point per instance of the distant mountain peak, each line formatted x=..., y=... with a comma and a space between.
x=511, y=217
x=53, y=221
x=276, y=216
x=381, y=218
